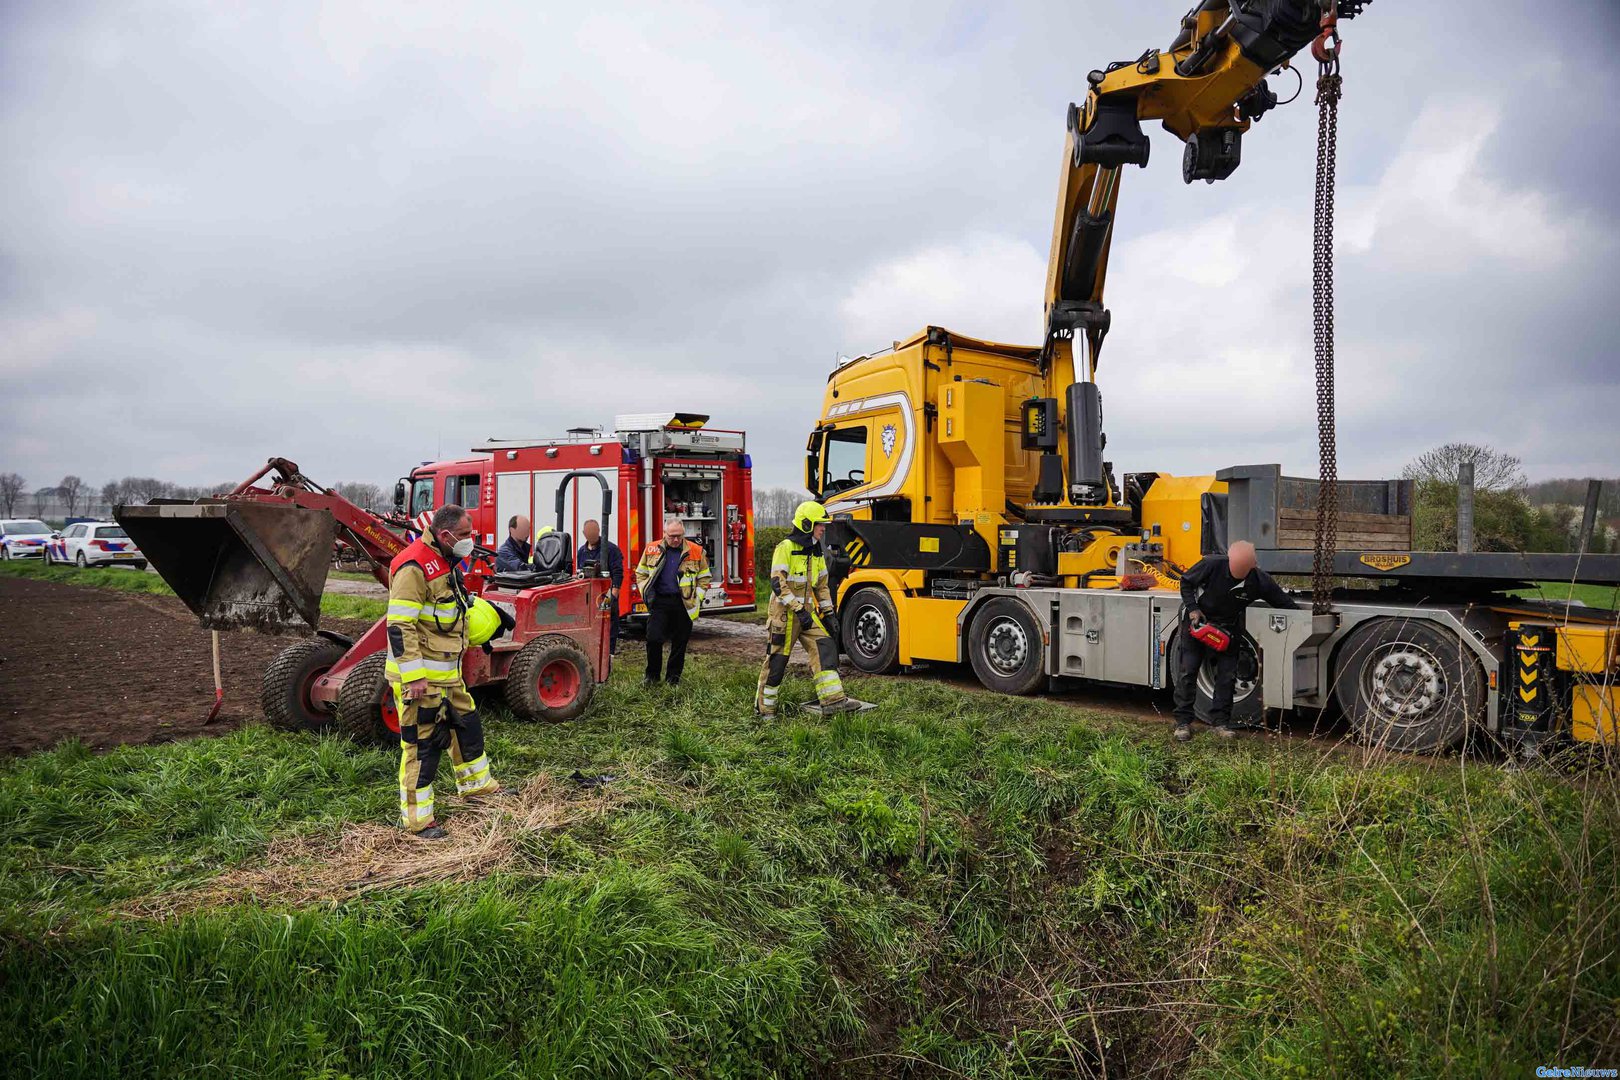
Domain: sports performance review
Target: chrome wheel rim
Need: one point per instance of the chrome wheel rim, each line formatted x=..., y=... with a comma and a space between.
x=1006, y=646
x=1403, y=682
x=871, y=631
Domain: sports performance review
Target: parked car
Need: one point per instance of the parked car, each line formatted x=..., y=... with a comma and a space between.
x=23, y=538
x=94, y=543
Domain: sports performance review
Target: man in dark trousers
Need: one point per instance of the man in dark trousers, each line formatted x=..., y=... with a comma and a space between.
x=673, y=575
x=1217, y=590
x=594, y=552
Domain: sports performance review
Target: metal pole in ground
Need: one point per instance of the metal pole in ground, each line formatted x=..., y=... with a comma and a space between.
x=1465, y=507
x=1594, y=489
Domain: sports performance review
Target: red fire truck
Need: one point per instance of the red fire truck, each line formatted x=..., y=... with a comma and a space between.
x=657, y=464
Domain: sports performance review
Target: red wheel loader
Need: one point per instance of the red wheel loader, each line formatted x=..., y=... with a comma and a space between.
x=257, y=558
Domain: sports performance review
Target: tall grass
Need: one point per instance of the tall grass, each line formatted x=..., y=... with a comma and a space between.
x=953, y=884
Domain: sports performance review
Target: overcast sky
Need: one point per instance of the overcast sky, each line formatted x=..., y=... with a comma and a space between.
x=363, y=235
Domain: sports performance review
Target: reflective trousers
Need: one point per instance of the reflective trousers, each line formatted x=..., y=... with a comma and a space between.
x=823, y=653
x=445, y=718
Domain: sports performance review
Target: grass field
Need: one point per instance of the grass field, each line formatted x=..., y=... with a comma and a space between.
x=124, y=579
x=1599, y=596
x=956, y=884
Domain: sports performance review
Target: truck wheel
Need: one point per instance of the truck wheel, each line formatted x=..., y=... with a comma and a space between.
x=1006, y=647
x=284, y=694
x=1406, y=684
x=365, y=704
x=871, y=631
x=550, y=679
x=1247, y=707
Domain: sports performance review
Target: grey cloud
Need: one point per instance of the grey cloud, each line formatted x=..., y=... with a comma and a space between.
x=233, y=230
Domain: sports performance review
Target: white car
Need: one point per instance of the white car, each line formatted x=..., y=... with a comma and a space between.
x=23, y=538
x=94, y=543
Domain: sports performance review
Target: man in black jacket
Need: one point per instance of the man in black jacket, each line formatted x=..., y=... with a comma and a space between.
x=514, y=553
x=1217, y=590
x=594, y=552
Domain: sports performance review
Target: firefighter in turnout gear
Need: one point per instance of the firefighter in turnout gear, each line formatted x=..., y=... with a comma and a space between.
x=427, y=633
x=802, y=607
x=672, y=577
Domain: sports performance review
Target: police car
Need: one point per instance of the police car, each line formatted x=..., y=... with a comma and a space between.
x=94, y=543
x=23, y=538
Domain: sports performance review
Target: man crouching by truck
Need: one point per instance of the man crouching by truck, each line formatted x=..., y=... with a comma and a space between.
x=428, y=617
x=1214, y=594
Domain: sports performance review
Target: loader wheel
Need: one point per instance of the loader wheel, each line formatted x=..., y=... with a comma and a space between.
x=1407, y=684
x=871, y=631
x=1006, y=647
x=365, y=704
x=1247, y=700
x=284, y=694
x=550, y=679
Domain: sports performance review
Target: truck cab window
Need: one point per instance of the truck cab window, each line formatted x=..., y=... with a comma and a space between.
x=422, y=495
x=844, y=460
x=464, y=491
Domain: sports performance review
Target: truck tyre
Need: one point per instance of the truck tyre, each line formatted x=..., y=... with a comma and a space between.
x=871, y=631
x=1248, y=709
x=1407, y=684
x=1007, y=647
x=550, y=679
x=284, y=693
x=365, y=703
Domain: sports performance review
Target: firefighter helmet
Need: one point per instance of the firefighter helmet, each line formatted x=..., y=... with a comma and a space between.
x=483, y=622
x=808, y=514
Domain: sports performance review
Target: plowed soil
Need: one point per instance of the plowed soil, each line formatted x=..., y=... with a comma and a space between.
x=111, y=668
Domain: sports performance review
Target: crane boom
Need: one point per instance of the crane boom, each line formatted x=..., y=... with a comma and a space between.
x=1207, y=88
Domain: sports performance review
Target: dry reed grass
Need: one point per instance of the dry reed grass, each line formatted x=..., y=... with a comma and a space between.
x=485, y=836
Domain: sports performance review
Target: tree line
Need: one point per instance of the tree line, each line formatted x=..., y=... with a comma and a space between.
x=75, y=498
x=1510, y=513
x=774, y=506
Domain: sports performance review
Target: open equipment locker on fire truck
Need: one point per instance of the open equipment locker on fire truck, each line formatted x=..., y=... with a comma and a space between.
x=666, y=463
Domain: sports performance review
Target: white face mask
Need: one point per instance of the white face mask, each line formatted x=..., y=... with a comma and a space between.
x=462, y=548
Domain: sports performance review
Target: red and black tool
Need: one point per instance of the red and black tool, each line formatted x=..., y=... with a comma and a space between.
x=1211, y=635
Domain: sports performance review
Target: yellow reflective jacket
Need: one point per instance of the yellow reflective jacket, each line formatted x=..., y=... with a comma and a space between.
x=427, y=618
x=799, y=578
x=694, y=573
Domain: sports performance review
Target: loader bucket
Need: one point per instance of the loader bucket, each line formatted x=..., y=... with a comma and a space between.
x=238, y=564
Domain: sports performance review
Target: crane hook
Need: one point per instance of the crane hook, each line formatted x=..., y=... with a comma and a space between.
x=1327, y=46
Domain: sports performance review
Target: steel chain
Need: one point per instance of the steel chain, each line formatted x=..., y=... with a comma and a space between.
x=1328, y=86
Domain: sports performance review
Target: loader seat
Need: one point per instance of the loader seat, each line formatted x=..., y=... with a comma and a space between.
x=553, y=562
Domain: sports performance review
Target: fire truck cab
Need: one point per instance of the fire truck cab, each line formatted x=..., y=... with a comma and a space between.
x=656, y=464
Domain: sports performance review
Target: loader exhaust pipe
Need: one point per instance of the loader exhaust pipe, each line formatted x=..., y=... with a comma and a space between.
x=239, y=564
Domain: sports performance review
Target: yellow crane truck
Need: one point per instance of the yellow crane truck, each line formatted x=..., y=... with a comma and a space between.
x=977, y=521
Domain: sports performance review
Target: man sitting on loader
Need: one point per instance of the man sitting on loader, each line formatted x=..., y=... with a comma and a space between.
x=429, y=612
x=1215, y=593
x=802, y=607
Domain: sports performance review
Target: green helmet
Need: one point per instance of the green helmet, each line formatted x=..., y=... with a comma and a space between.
x=483, y=622
x=808, y=514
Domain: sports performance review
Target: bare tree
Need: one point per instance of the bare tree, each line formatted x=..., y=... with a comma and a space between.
x=72, y=490
x=774, y=506
x=11, y=489
x=42, y=499
x=1493, y=469
x=145, y=488
x=364, y=495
